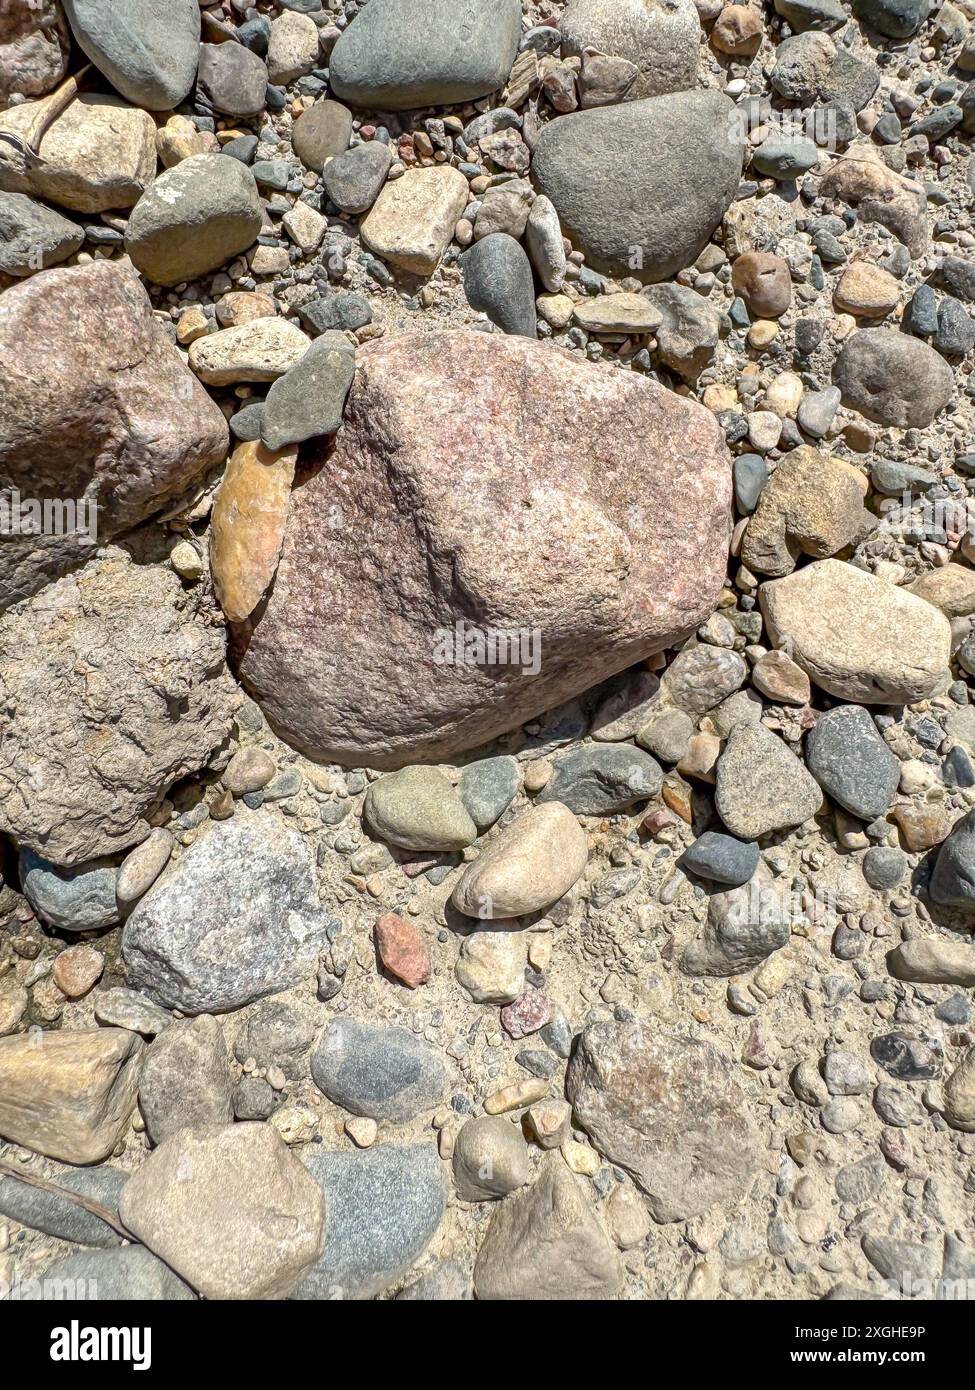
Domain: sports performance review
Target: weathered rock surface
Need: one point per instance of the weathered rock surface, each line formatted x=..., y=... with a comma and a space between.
x=132, y=1274
x=384, y=1206
x=55, y=1215
x=812, y=505
x=195, y=217
x=761, y=785
x=660, y=39
x=34, y=237
x=403, y=54
x=114, y=680
x=412, y=221
x=856, y=636
x=236, y=918
x=573, y=562
x=669, y=1111
x=934, y=961
x=548, y=1243
x=69, y=1095
x=744, y=926
x=34, y=45
x=893, y=378
x=230, y=1209
x=382, y=1072
x=97, y=408
x=633, y=215
x=185, y=1079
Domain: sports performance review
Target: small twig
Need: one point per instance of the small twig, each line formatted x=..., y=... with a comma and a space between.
x=95, y=1208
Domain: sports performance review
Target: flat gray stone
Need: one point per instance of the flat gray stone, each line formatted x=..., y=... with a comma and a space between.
x=307, y=401
x=196, y=216
x=34, y=236
x=236, y=918
x=112, y=1276
x=398, y=55
x=78, y=899
x=487, y=789
x=232, y=79
x=384, y=1206
x=59, y=1216
x=185, y=1079
x=353, y=179
x=498, y=281
x=382, y=1072
x=848, y=757
x=602, y=779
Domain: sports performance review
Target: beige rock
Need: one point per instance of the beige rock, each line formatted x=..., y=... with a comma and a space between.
x=517, y=1096
x=491, y=966
x=627, y=1216
x=292, y=49
x=142, y=866
x=413, y=219
x=239, y=307
x=548, y=1122
x=490, y=1159
x=230, y=1209
x=934, y=961
x=861, y=179
x=866, y=291
x=528, y=866
x=548, y=1243
x=950, y=588
x=100, y=154
x=959, y=1094
x=812, y=505
x=177, y=140
x=855, y=636
x=13, y=1005
x=261, y=350
x=555, y=309
x=305, y=227
x=784, y=395
x=617, y=313
x=247, y=528
x=69, y=1095
x=779, y=678
x=738, y=31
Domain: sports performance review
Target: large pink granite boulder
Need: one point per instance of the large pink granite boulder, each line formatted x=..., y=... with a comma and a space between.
x=502, y=484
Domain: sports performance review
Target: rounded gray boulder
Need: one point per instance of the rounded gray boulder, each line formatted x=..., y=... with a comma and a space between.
x=149, y=52
x=193, y=218
x=667, y=172
x=398, y=55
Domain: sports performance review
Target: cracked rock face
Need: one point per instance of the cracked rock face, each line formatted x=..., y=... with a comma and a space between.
x=112, y=687
x=34, y=44
x=488, y=482
x=669, y=1111
x=98, y=410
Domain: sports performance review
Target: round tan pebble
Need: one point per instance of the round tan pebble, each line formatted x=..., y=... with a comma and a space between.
x=185, y=560
x=762, y=333
x=738, y=31
x=866, y=291
x=627, y=1217
x=537, y=775
x=77, y=970
x=249, y=770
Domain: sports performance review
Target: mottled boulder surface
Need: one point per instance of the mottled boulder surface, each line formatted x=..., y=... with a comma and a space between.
x=97, y=407
x=113, y=685
x=496, y=483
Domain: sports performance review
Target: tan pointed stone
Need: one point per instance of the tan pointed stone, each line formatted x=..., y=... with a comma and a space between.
x=249, y=517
